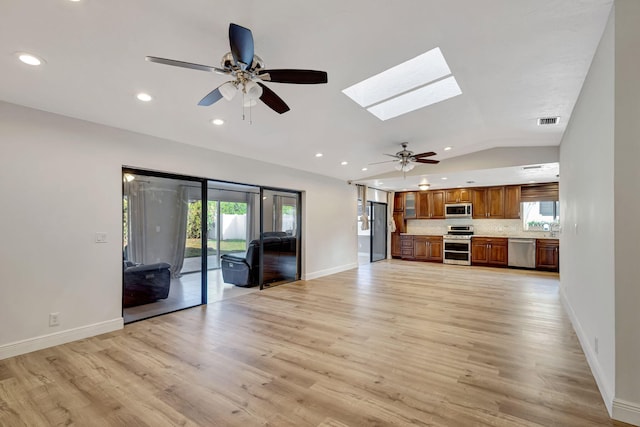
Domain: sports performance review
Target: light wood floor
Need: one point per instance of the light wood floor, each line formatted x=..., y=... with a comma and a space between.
x=391, y=343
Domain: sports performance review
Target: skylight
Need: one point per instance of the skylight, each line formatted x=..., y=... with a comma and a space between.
x=406, y=87
x=419, y=98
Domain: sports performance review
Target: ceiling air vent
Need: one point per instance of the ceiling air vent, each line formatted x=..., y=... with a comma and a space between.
x=548, y=121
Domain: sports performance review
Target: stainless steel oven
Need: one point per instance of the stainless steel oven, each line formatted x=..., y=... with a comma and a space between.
x=457, y=245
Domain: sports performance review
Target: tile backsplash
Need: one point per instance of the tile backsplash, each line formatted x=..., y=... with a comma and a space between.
x=481, y=227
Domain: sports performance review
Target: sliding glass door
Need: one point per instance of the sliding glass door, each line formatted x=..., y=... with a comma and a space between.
x=162, y=245
x=378, y=222
x=280, y=236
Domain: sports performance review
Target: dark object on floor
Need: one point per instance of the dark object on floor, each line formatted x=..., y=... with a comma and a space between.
x=241, y=269
x=145, y=283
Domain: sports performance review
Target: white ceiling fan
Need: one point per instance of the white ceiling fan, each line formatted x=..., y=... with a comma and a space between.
x=405, y=160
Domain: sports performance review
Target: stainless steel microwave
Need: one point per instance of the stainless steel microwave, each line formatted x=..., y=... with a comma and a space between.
x=458, y=210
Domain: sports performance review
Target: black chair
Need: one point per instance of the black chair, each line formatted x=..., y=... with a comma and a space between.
x=145, y=283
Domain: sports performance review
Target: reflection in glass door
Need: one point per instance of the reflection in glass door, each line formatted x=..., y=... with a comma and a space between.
x=378, y=231
x=156, y=242
x=280, y=237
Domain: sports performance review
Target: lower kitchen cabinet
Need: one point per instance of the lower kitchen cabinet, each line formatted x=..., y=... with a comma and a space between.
x=427, y=248
x=489, y=251
x=548, y=254
x=406, y=246
x=396, y=250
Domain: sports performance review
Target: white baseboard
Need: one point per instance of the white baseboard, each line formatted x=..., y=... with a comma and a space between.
x=626, y=411
x=44, y=341
x=592, y=359
x=328, y=271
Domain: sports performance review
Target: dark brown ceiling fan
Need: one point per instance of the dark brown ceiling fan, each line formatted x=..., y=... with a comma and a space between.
x=405, y=160
x=248, y=72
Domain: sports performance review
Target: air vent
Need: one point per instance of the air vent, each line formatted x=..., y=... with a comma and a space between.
x=471, y=182
x=542, y=121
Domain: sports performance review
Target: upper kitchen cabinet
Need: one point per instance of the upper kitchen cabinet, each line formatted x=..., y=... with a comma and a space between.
x=488, y=202
x=512, y=202
x=458, y=195
x=398, y=202
x=410, y=205
x=430, y=204
x=401, y=226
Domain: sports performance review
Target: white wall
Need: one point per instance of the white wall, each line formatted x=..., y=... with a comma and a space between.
x=587, y=266
x=60, y=183
x=627, y=213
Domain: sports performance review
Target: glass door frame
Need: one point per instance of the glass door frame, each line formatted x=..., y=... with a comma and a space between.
x=371, y=230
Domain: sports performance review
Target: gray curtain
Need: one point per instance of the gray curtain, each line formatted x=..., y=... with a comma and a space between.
x=180, y=236
x=362, y=195
x=136, y=199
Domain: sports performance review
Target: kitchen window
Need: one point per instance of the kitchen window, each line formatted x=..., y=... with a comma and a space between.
x=540, y=215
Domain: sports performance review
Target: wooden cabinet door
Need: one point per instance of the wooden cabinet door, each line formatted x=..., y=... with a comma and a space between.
x=458, y=195
x=420, y=245
x=479, y=251
x=495, y=202
x=548, y=254
x=410, y=205
x=512, y=202
x=422, y=205
x=498, y=250
x=434, y=249
x=479, y=202
x=465, y=195
x=436, y=204
x=398, y=217
x=395, y=245
x=398, y=202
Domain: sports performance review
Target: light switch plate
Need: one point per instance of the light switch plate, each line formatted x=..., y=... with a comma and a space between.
x=101, y=237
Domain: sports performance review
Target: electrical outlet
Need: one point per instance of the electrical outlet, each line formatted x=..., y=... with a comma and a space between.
x=54, y=319
x=101, y=237
x=596, y=345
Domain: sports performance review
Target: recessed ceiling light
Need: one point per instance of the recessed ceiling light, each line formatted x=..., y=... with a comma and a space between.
x=444, y=178
x=416, y=99
x=344, y=163
x=409, y=75
x=217, y=122
x=531, y=182
x=319, y=154
x=144, y=97
x=447, y=148
x=30, y=59
x=364, y=169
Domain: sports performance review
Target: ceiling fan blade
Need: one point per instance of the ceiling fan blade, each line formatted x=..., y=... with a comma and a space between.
x=427, y=154
x=391, y=155
x=183, y=64
x=432, y=162
x=241, y=41
x=386, y=161
x=272, y=100
x=211, y=98
x=304, y=77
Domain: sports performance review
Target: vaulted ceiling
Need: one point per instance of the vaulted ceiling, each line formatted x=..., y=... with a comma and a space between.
x=514, y=60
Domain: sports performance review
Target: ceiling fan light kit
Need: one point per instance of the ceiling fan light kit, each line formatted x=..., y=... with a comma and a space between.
x=248, y=71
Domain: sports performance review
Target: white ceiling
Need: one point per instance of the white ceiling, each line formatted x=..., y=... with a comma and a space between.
x=515, y=61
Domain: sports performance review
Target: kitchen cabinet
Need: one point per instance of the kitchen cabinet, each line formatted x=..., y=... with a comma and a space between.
x=488, y=202
x=427, y=248
x=548, y=254
x=401, y=225
x=406, y=246
x=430, y=204
x=489, y=251
x=410, y=205
x=396, y=250
x=512, y=202
x=398, y=202
x=458, y=195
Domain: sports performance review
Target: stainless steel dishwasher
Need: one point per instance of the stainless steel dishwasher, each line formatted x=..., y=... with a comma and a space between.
x=522, y=253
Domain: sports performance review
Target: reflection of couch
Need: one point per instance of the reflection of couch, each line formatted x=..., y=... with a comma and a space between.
x=145, y=283
x=280, y=263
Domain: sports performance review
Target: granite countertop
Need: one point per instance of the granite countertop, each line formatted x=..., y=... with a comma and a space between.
x=518, y=236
